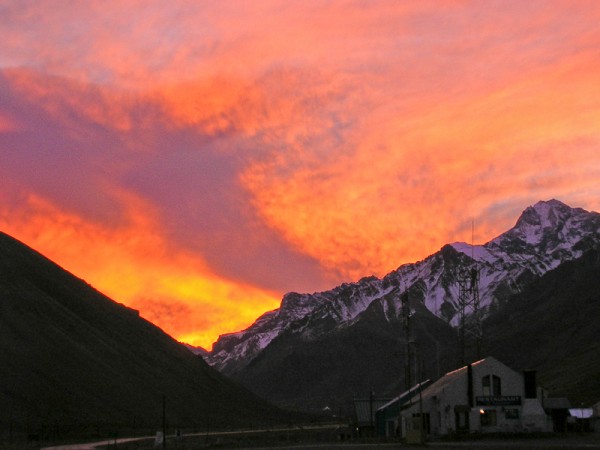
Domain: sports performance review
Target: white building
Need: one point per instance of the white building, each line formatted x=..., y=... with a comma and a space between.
x=486, y=396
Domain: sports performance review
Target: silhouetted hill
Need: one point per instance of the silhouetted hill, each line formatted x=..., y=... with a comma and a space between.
x=73, y=361
x=552, y=326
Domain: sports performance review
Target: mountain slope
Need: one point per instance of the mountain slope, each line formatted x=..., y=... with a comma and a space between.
x=553, y=323
x=72, y=360
x=550, y=326
x=544, y=236
x=367, y=355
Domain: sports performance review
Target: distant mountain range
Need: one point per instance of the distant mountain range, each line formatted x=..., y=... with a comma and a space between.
x=322, y=349
x=74, y=362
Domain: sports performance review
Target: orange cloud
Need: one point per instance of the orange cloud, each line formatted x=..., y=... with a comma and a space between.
x=134, y=264
x=358, y=135
x=410, y=183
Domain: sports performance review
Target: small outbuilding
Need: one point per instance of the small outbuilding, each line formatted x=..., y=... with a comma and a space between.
x=387, y=416
x=595, y=419
x=364, y=414
x=580, y=419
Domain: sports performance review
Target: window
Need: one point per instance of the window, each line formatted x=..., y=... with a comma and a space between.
x=496, y=385
x=487, y=417
x=491, y=386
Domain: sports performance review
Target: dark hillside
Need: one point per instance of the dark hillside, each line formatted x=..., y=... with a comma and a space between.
x=311, y=373
x=552, y=326
x=72, y=360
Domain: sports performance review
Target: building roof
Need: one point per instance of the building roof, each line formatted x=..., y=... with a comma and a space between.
x=581, y=413
x=406, y=395
x=451, y=377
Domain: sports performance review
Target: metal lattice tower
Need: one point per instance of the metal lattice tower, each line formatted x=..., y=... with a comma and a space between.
x=469, y=310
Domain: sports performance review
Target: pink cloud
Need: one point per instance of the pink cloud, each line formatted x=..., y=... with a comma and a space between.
x=294, y=146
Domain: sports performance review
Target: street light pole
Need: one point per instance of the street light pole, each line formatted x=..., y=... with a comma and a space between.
x=419, y=375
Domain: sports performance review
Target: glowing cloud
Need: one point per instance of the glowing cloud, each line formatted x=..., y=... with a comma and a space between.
x=211, y=156
x=135, y=265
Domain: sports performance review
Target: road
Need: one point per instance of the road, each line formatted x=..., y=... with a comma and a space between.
x=565, y=442
x=97, y=444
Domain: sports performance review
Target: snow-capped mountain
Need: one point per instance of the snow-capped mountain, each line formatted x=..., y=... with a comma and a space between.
x=545, y=235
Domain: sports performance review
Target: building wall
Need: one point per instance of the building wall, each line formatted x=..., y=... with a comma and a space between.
x=507, y=417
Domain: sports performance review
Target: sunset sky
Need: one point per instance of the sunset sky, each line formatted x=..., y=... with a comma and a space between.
x=196, y=160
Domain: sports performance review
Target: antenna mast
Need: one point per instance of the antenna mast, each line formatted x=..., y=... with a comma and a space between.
x=406, y=322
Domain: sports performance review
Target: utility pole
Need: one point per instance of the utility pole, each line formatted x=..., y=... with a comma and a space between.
x=406, y=321
x=371, y=424
x=164, y=420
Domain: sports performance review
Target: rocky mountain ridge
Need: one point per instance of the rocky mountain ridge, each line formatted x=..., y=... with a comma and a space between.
x=544, y=236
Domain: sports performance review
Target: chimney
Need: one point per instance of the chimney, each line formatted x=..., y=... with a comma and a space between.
x=530, y=383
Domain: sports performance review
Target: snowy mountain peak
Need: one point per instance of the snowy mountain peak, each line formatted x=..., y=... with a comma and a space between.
x=551, y=226
x=543, y=215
